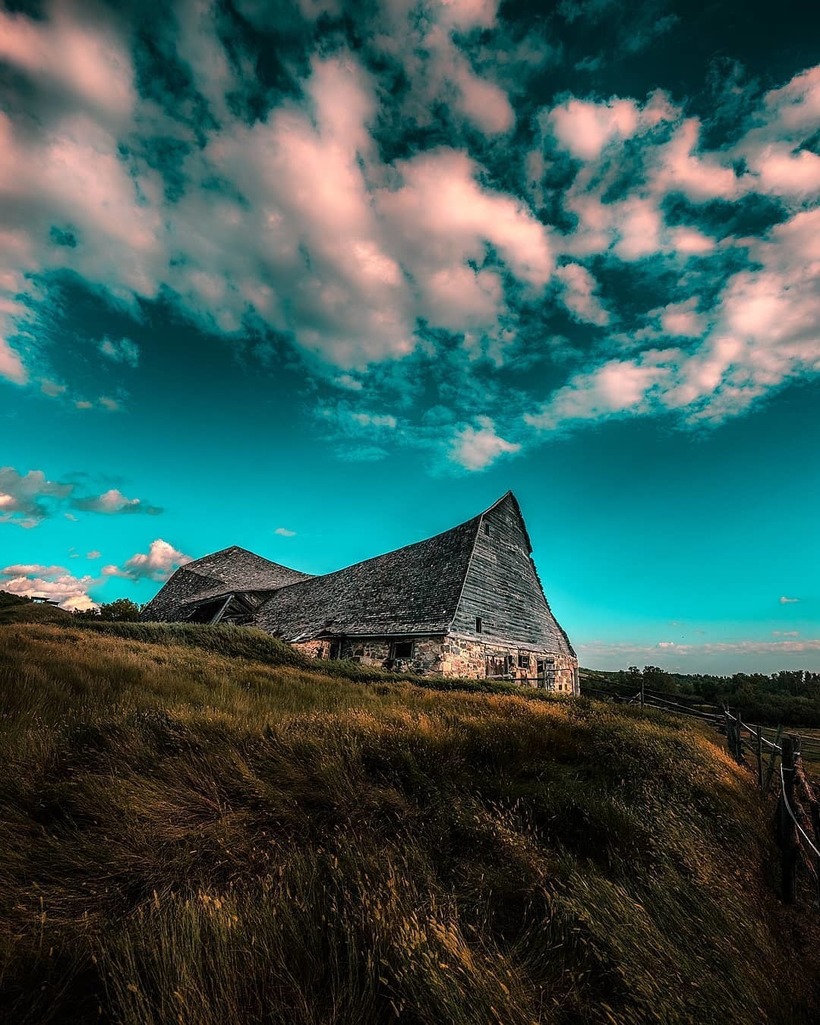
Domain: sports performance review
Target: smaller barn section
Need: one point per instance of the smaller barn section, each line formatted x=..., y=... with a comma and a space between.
x=465, y=603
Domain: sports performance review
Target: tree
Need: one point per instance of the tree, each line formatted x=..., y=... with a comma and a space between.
x=122, y=610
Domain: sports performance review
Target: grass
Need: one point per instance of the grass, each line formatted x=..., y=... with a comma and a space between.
x=198, y=826
x=14, y=609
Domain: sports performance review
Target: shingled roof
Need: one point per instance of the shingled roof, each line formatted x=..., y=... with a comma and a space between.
x=229, y=570
x=412, y=590
x=476, y=579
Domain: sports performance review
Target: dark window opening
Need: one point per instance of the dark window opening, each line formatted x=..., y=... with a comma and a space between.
x=478, y=624
x=523, y=660
x=402, y=649
x=335, y=649
x=487, y=530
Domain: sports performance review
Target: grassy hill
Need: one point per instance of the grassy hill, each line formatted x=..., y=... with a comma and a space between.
x=14, y=609
x=198, y=826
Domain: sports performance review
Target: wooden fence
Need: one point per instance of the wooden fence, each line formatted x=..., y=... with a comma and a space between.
x=777, y=762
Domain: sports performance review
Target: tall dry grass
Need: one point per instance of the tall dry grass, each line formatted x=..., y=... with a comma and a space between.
x=198, y=837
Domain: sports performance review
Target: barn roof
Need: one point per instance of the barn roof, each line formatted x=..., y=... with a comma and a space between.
x=450, y=582
x=231, y=569
x=411, y=590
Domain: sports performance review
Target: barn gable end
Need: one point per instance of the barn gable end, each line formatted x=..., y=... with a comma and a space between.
x=502, y=597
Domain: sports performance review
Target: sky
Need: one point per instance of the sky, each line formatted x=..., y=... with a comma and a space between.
x=321, y=279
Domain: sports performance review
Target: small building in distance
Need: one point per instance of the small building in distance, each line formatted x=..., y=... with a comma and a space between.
x=465, y=603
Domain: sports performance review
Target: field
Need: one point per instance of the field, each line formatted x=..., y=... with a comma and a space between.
x=198, y=826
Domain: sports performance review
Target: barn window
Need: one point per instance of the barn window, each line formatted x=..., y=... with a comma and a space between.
x=402, y=649
x=478, y=624
x=523, y=660
x=487, y=530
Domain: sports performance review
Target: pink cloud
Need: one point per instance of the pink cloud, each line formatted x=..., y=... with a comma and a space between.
x=475, y=447
x=85, y=57
x=579, y=294
x=682, y=319
x=467, y=14
x=483, y=102
x=616, y=387
x=700, y=178
x=584, y=128
x=158, y=563
x=48, y=581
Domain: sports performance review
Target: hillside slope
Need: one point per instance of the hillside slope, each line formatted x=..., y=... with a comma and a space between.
x=191, y=837
x=14, y=609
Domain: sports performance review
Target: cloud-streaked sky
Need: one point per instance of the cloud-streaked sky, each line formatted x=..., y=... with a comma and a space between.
x=323, y=278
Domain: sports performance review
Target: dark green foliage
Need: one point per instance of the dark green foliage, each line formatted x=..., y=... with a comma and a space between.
x=121, y=610
x=189, y=834
x=788, y=696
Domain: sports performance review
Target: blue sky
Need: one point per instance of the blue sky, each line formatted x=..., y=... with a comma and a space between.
x=321, y=279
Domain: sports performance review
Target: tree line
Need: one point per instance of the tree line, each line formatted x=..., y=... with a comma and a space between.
x=789, y=696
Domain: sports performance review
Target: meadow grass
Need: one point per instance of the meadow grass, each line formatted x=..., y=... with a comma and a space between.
x=199, y=826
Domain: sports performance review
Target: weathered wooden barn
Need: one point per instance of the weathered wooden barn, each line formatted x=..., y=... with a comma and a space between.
x=465, y=603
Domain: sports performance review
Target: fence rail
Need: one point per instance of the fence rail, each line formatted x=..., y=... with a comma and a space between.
x=776, y=758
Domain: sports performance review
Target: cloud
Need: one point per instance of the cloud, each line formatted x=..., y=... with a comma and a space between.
x=48, y=581
x=788, y=601
x=374, y=419
x=477, y=447
x=94, y=554
x=112, y=502
x=734, y=656
x=121, y=351
x=579, y=294
x=378, y=212
x=615, y=388
x=785, y=633
x=158, y=563
x=309, y=235
x=26, y=499
x=284, y=532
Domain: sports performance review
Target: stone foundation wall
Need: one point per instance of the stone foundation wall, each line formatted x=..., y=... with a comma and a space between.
x=460, y=656
x=313, y=649
x=469, y=658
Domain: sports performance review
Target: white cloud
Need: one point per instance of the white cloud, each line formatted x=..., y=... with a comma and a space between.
x=158, y=563
x=719, y=656
x=50, y=582
x=788, y=601
x=579, y=295
x=26, y=499
x=616, y=387
x=122, y=350
x=112, y=501
x=584, y=128
x=477, y=447
x=284, y=532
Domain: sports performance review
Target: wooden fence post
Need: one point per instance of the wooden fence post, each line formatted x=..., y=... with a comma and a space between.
x=772, y=759
x=739, y=735
x=759, y=753
x=730, y=731
x=788, y=828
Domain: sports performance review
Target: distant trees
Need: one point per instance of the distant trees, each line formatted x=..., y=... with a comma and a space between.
x=788, y=696
x=122, y=610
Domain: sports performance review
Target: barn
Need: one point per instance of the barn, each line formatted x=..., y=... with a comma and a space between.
x=465, y=603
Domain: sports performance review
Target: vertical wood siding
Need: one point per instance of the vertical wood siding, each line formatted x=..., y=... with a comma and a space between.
x=502, y=587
